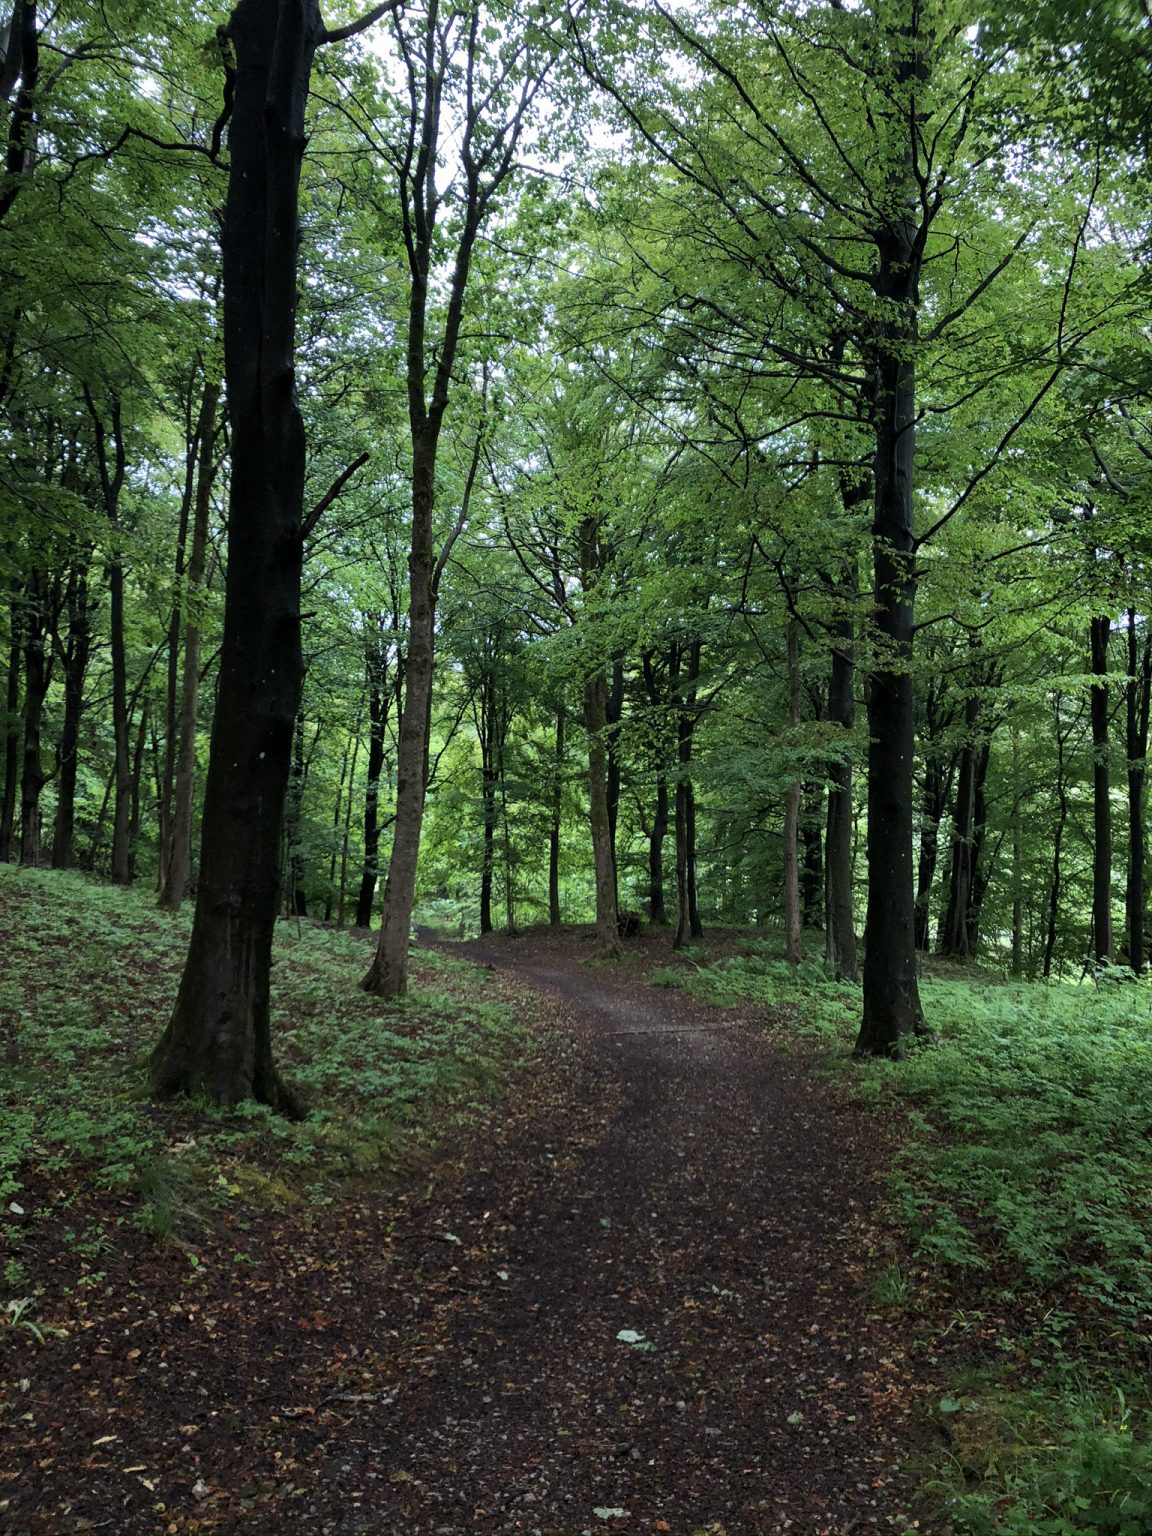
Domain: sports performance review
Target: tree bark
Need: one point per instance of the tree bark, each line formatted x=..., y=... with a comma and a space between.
x=218, y=1041
x=595, y=723
x=1139, y=690
x=74, y=656
x=37, y=674
x=12, y=728
x=892, y=1011
x=378, y=701
x=793, y=942
x=178, y=864
x=657, y=909
x=613, y=713
x=1100, y=629
x=683, y=674
x=387, y=976
x=840, y=945
x=554, y=827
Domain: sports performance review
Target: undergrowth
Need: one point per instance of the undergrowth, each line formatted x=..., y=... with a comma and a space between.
x=89, y=981
x=1025, y=1174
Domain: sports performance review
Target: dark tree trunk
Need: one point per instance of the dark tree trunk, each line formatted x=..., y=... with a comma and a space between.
x=793, y=944
x=952, y=938
x=683, y=674
x=488, y=788
x=1099, y=631
x=1139, y=691
x=137, y=788
x=218, y=1041
x=21, y=62
x=614, y=711
x=12, y=726
x=294, y=824
x=178, y=863
x=37, y=674
x=657, y=911
x=1062, y=804
x=595, y=723
x=892, y=1010
x=554, y=915
x=840, y=943
x=812, y=860
x=75, y=653
x=378, y=700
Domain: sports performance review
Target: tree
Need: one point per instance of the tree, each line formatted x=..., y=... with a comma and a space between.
x=218, y=1041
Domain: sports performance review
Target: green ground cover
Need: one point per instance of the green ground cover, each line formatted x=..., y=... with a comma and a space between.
x=89, y=978
x=1025, y=1186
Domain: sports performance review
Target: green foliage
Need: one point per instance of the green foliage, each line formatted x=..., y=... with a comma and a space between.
x=1037, y=1465
x=92, y=974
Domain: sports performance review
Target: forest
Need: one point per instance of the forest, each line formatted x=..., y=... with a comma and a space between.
x=648, y=498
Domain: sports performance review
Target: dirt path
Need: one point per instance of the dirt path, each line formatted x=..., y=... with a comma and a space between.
x=450, y=1359
x=724, y=1217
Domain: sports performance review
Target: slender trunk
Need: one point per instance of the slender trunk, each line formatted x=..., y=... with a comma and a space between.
x=137, y=780
x=294, y=824
x=979, y=880
x=1062, y=804
x=683, y=672
x=11, y=737
x=341, y=914
x=892, y=1009
x=218, y=1041
x=793, y=946
x=387, y=976
x=613, y=713
x=595, y=723
x=76, y=651
x=840, y=950
x=509, y=882
x=377, y=720
x=37, y=671
x=952, y=938
x=1138, y=694
x=1017, y=861
x=488, y=806
x=657, y=911
x=1099, y=630
x=554, y=915
x=178, y=863
x=812, y=859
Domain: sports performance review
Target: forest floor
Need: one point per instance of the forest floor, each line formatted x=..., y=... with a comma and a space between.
x=640, y=1296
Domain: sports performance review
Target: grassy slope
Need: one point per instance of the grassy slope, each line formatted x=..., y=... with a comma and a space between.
x=1024, y=1185
x=88, y=980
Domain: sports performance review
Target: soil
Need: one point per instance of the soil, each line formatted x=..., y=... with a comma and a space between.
x=642, y=1299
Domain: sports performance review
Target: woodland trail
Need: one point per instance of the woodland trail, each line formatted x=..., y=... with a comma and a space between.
x=447, y=1357
x=724, y=1214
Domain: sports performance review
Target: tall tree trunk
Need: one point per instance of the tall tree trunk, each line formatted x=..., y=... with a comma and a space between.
x=37, y=674
x=487, y=800
x=793, y=945
x=294, y=824
x=840, y=944
x=1062, y=804
x=614, y=711
x=342, y=910
x=1139, y=690
x=952, y=938
x=1017, y=860
x=178, y=863
x=12, y=728
x=1099, y=630
x=657, y=910
x=554, y=914
x=75, y=653
x=892, y=1009
x=218, y=1041
x=595, y=723
x=683, y=674
x=387, y=976
x=377, y=721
